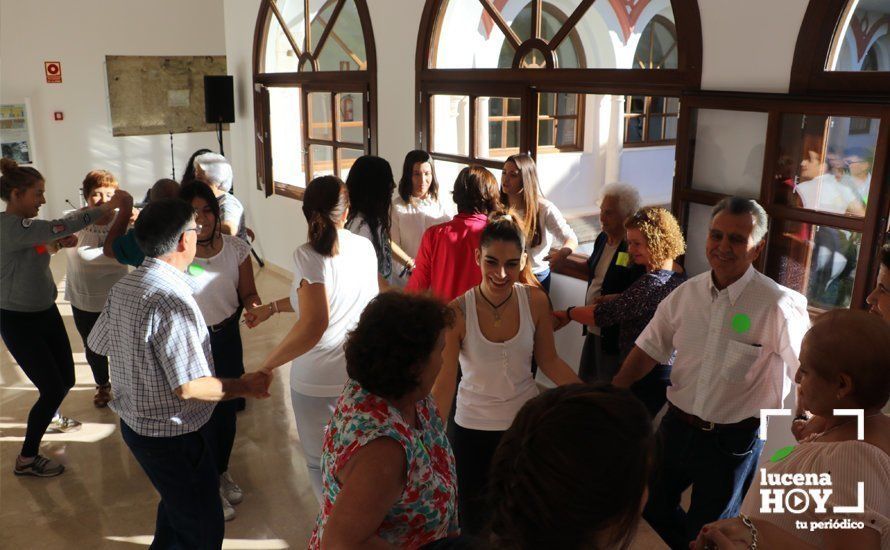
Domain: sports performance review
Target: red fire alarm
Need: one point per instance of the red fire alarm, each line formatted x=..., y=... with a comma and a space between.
x=53, y=70
x=58, y=115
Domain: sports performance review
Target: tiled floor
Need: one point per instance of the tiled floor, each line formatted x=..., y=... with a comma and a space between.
x=104, y=500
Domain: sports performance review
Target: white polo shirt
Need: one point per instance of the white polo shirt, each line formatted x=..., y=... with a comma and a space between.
x=737, y=348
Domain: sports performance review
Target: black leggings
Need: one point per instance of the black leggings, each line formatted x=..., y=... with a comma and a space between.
x=84, y=321
x=39, y=344
x=473, y=452
x=228, y=362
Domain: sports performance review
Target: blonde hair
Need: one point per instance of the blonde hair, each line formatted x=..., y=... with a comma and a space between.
x=662, y=232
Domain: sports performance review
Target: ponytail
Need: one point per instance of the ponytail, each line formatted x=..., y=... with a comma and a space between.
x=16, y=177
x=324, y=202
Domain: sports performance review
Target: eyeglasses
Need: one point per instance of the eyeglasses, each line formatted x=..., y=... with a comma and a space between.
x=197, y=229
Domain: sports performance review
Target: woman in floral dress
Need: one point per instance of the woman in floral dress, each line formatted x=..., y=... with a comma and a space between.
x=387, y=467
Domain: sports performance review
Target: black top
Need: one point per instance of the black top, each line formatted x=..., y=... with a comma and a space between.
x=616, y=280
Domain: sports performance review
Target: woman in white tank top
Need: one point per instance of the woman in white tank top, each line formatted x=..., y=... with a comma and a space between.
x=499, y=327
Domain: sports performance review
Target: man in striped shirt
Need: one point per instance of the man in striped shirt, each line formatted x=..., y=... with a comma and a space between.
x=162, y=377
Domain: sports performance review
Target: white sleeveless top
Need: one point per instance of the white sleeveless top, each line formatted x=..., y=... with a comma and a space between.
x=496, y=376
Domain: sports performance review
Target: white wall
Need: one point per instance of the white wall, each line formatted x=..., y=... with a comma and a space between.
x=80, y=34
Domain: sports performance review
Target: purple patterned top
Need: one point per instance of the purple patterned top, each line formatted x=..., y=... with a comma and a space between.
x=634, y=308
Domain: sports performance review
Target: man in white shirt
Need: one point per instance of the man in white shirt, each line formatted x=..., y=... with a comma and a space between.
x=736, y=334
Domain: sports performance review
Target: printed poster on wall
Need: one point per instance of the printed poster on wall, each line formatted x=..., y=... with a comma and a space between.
x=15, y=135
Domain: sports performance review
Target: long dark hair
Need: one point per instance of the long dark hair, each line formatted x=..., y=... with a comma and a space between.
x=196, y=189
x=476, y=191
x=406, y=185
x=571, y=471
x=531, y=192
x=370, y=184
x=324, y=202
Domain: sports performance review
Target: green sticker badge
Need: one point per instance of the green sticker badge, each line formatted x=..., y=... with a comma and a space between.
x=623, y=259
x=195, y=270
x=741, y=323
x=781, y=454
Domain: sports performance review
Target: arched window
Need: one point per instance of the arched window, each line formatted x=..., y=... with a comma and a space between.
x=549, y=78
x=844, y=48
x=653, y=120
x=314, y=91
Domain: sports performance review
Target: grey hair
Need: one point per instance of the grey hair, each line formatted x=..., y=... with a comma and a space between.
x=741, y=205
x=628, y=197
x=216, y=169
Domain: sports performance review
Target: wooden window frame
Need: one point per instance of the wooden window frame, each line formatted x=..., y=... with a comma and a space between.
x=872, y=227
x=577, y=143
x=311, y=80
x=647, y=115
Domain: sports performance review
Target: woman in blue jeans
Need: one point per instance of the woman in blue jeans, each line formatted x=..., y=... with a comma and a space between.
x=654, y=240
x=223, y=273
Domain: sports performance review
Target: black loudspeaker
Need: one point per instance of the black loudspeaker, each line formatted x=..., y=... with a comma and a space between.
x=219, y=99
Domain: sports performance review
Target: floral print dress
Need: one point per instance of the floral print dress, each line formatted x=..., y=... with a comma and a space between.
x=427, y=510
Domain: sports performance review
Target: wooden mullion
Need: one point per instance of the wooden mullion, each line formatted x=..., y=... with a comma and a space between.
x=307, y=25
x=284, y=27
x=498, y=19
x=329, y=27
x=474, y=127
x=537, y=15
x=570, y=23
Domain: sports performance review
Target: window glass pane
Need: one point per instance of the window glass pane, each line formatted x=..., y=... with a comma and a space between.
x=350, y=117
x=280, y=56
x=568, y=104
x=862, y=42
x=322, y=158
x=286, y=136
x=319, y=15
x=344, y=50
x=670, y=130
x=729, y=148
x=498, y=135
x=469, y=39
x=825, y=163
x=545, y=133
x=698, y=225
x=546, y=104
x=656, y=104
x=565, y=129
x=320, y=115
x=570, y=53
x=634, y=131
x=673, y=105
x=654, y=130
x=649, y=39
x=450, y=124
x=345, y=159
x=637, y=104
x=293, y=14
x=817, y=261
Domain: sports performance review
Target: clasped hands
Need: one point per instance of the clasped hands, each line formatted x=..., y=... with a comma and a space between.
x=256, y=384
x=255, y=316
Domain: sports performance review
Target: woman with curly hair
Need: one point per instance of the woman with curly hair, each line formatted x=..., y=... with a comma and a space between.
x=335, y=276
x=654, y=241
x=388, y=471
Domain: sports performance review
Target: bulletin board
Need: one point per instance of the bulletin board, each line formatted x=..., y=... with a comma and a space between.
x=16, y=132
x=158, y=95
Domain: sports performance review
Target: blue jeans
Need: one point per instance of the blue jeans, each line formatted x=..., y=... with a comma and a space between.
x=544, y=278
x=720, y=466
x=182, y=470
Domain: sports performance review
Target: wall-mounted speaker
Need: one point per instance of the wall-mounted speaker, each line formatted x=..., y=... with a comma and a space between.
x=219, y=99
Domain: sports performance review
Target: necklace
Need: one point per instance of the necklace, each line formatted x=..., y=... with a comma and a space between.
x=497, y=313
x=844, y=423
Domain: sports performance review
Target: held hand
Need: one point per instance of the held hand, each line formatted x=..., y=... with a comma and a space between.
x=560, y=319
x=67, y=242
x=803, y=430
x=257, y=384
x=121, y=199
x=724, y=534
x=133, y=215
x=255, y=316
x=556, y=255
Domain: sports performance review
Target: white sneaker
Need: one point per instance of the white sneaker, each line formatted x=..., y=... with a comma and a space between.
x=230, y=489
x=228, y=509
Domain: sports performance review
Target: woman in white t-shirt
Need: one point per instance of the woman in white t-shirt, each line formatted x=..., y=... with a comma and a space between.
x=222, y=272
x=335, y=276
x=91, y=275
x=500, y=326
x=415, y=209
x=550, y=239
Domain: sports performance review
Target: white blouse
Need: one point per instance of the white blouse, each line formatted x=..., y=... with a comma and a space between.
x=556, y=231
x=91, y=274
x=410, y=219
x=216, y=280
